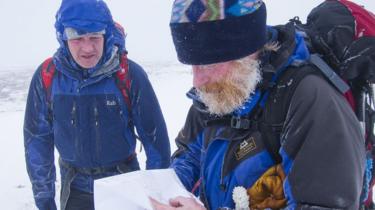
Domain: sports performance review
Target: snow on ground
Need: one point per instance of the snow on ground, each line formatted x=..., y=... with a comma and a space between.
x=170, y=81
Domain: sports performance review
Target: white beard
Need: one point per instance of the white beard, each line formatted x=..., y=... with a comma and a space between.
x=225, y=96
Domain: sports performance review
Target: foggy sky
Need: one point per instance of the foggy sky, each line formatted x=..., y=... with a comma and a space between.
x=28, y=37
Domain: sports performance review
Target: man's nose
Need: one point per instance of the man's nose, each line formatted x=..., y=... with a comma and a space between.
x=87, y=46
x=201, y=76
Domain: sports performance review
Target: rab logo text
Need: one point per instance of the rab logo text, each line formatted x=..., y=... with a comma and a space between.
x=111, y=103
x=245, y=147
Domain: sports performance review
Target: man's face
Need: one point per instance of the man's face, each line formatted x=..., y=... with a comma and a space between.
x=224, y=87
x=87, y=50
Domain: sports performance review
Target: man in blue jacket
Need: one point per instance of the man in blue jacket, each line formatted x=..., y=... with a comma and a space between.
x=257, y=136
x=84, y=112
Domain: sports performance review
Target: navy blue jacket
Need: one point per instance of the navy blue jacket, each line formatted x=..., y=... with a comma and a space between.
x=91, y=126
x=322, y=149
x=89, y=122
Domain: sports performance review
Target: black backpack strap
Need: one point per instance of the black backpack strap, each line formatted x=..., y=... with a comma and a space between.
x=277, y=105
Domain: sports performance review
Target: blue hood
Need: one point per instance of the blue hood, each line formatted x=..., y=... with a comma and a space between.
x=87, y=16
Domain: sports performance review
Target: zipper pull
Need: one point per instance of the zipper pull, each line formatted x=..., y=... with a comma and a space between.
x=96, y=114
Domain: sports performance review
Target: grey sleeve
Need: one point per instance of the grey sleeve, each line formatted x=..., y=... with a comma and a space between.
x=322, y=149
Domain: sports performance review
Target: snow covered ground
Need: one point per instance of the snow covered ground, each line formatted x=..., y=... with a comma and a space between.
x=170, y=81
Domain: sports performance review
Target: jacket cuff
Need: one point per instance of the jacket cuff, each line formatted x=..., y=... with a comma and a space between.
x=46, y=204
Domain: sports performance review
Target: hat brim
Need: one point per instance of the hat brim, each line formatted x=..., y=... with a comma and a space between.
x=85, y=26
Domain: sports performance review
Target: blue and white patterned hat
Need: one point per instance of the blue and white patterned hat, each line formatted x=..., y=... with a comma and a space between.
x=213, y=31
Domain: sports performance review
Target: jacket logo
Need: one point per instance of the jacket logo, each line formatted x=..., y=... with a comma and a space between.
x=111, y=103
x=245, y=148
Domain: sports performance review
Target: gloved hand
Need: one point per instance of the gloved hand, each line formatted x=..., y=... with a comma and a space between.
x=267, y=191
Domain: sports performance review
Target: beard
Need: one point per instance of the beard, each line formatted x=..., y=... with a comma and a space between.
x=225, y=96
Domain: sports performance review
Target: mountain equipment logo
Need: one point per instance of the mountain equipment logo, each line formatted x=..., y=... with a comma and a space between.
x=245, y=148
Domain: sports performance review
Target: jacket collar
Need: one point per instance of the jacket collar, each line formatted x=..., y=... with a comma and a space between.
x=68, y=67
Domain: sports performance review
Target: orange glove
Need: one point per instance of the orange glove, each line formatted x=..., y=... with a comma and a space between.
x=267, y=191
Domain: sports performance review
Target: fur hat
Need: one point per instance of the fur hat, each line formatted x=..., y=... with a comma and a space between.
x=213, y=31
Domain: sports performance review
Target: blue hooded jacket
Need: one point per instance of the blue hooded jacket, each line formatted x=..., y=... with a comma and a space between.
x=91, y=125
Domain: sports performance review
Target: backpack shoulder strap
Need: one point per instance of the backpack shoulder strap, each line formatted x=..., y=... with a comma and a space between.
x=281, y=94
x=47, y=74
x=329, y=73
x=123, y=81
x=276, y=108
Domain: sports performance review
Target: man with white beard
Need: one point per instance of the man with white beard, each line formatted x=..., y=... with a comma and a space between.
x=263, y=130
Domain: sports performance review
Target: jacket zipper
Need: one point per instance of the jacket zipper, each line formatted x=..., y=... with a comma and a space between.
x=222, y=185
x=74, y=122
x=97, y=133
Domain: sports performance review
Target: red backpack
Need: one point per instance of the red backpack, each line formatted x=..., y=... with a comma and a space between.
x=342, y=34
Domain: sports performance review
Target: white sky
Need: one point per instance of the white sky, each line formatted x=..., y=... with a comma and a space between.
x=27, y=33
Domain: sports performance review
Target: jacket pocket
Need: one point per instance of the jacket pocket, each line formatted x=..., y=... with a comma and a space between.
x=111, y=129
x=65, y=126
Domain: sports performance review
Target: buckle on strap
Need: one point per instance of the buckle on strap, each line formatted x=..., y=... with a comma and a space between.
x=240, y=123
